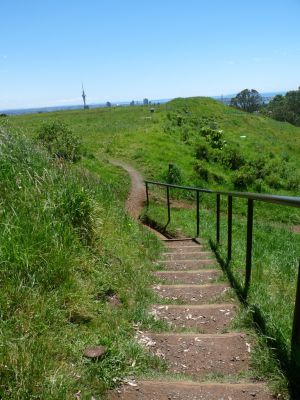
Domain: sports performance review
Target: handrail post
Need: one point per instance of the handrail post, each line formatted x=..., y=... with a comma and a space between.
x=229, y=229
x=218, y=219
x=147, y=195
x=295, y=342
x=198, y=212
x=168, y=202
x=249, y=244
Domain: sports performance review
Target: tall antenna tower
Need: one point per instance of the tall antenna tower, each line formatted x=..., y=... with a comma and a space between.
x=84, y=97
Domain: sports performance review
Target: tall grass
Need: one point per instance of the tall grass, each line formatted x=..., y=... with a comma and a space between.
x=65, y=245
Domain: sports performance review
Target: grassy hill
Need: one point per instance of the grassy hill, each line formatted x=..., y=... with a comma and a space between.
x=267, y=150
x=172, y=132
x=250, y=153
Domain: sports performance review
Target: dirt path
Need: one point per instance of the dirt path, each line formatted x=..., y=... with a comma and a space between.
x=136, y=199
x=137, y=196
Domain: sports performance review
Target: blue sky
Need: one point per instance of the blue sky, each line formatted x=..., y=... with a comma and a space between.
x=131, y=49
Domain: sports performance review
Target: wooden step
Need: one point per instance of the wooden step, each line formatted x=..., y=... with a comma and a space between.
x=198, y=255
x=186, y=264
x=186, y=249
x=213, y=318
x=179, y=243
x=192, y=294
x=200, y=355
x=188, y=277
x=187, y=390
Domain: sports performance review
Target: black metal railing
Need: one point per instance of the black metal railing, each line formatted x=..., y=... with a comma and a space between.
x=251, y=198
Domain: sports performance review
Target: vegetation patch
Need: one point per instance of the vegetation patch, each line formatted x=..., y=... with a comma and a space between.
x=66, y=249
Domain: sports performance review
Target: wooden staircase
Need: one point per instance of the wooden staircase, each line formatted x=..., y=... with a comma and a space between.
x=201, y=349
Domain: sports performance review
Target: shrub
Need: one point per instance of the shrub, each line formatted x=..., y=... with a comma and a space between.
x=243, y=178
x=202, y=171
x=231, y=158
x=60, y=141
x=173, y=176
x=213, y=136
x=202, y=151
x=274, y=181
x=207, y=175
x=293, y=183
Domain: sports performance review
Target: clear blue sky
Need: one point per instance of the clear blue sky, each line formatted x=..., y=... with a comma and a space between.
x=131, y=49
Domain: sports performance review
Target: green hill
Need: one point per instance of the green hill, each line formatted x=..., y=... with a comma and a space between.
x=175, y=133
x=66, y=243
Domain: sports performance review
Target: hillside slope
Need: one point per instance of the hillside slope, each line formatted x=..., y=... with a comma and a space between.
x=70, y=277
x=267, y=149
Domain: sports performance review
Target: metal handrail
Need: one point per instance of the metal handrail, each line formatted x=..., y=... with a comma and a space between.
x=275, y=199
x=251, y=197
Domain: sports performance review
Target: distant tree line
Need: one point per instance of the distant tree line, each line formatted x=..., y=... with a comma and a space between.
x=282, y=108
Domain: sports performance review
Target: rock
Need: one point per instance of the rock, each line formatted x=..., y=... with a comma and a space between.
x=95, y=352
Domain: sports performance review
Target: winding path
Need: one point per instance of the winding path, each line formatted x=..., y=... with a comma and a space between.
x=137, y=196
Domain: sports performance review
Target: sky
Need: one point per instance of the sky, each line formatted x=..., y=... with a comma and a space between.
x=125, y=50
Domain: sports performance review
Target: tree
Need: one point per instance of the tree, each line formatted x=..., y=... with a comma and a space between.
x=247, y=100
x=146, y=102
x=286, y=108
x=108, y=104
x=132, y=103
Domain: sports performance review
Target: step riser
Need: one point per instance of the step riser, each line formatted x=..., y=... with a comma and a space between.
x=179, y=243
x=199, y=277
x=204, y=320
x=192, y=294
x=188, y=256
x=187, y=249
x=156, y=390
x=187, y=265
x=201, y=355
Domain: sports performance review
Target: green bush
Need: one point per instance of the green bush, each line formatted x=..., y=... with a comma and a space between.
x=173, y=175
x=202, y=171
x=213, y=136
x=202, y=151
x=231, y=158
x=60, y=141
x=207, y=175
x=244, y=178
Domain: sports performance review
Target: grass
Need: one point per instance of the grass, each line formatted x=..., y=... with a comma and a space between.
x=66, y=245
x=148, y=142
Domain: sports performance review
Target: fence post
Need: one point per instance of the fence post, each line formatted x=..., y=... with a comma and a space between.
x=147, y=195
x=229, y=229
x=295, y=342
x=218, y=219
x=198, y=212
x=168, y=202
x=249, y=244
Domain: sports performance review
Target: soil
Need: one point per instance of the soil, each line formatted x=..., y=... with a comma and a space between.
x=203, y=319
x=136, y=199
x=160, y=390
x=200, y=355
x=196, y=255
x=174, y=243
x=188, y=277
x=192, y=294
x=187, y=265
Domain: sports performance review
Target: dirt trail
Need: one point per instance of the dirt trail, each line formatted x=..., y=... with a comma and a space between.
x=137, y=196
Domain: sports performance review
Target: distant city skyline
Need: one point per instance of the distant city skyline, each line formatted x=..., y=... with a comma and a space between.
x=124, y=51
